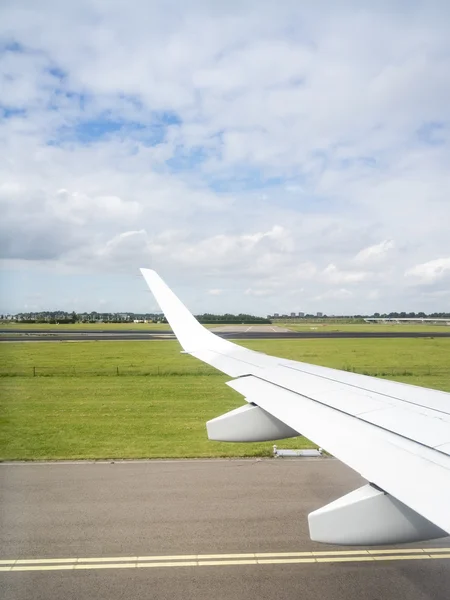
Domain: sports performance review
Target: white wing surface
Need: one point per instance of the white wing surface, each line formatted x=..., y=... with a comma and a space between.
x=397, y=436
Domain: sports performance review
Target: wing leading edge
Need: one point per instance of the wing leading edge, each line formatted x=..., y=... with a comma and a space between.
x=396, y=436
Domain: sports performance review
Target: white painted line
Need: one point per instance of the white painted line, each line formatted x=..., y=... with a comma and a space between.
x=151, y=461
x=159, y=461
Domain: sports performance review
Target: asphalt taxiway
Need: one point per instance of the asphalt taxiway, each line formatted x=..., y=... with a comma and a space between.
x=194, y=530
x=57, y=335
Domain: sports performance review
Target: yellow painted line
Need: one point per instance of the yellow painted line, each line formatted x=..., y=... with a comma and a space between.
x=130, y=565
x=404, y=557
x=281, y=554
x=164, y=557
x=214, y=563
x=344, y=559
x=79, y=560
x=197, y=560
x=219, y=556
x=340, y=552
x=187, y=563
x=286, y=561
x=175, y=557
x=106, y=559
x=43, y=568
x=43, y=561
x=397, y=550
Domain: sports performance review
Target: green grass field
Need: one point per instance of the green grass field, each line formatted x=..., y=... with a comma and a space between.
x=81, y=408
x=306, y=326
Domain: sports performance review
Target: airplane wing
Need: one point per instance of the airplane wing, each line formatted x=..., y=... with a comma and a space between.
x=397, y=436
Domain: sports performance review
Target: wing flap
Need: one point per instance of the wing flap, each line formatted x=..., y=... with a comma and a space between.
x=428, y=427
x=411, y=395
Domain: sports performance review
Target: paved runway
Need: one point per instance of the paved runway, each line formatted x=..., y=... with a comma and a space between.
x=194, y=530
x=23, y=335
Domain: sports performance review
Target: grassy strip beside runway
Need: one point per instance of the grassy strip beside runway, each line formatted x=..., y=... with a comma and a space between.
x=412, y=357
x=79, y=415
x=304, y=325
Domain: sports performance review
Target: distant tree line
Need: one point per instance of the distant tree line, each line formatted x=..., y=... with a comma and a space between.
x=377, y=315
x=230, y=319
x=63, y=317
x=411, y=315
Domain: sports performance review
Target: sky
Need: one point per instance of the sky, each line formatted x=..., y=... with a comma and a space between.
x=262, y=156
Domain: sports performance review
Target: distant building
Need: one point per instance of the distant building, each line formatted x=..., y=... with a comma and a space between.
x=292, y=314
x=276, y=315
x=301, y=314
x=320, y=314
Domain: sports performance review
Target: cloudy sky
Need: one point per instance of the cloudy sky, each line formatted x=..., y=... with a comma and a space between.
x=262, y=156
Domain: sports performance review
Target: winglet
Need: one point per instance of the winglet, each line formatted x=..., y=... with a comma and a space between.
x=190, y=333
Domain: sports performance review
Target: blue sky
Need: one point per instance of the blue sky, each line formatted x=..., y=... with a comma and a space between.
x=261, y=157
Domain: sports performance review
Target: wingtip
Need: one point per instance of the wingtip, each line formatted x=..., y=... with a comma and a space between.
x=190, y=333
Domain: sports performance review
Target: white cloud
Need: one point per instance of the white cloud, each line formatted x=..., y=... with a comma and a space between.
x=335, y=275
x=258, y=293
x=375, y=253
x=248, y=251
x=335, y=294
x=275, y=149
x=431, y=271
x=215, y=292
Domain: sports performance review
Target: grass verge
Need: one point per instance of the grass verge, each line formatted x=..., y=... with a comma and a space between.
x=134, y=416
